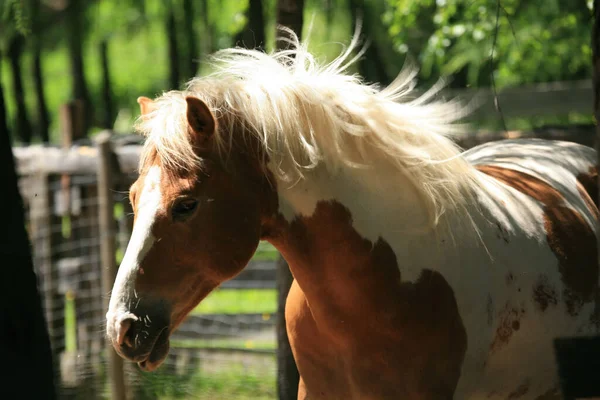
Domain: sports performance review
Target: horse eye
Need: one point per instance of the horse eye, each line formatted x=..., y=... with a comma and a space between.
x=184, y=208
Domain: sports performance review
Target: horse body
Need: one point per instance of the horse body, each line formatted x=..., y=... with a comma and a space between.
x=443, y=317
x=420, y=272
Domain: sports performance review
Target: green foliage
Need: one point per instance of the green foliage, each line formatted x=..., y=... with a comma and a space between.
x=14, y=16
x=227, y=344
x=533, y=40
x=448, y=37
x=238, y=382
x=239, y=301
x=137, y=46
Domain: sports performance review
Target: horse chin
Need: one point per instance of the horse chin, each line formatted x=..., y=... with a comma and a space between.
x=158, y=354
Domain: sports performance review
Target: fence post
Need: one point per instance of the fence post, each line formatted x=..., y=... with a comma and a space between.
x=106, y=167
x=71, y=123
x=287, y=372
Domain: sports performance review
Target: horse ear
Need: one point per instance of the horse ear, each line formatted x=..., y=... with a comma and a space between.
x=146, y=104
x=200, y=119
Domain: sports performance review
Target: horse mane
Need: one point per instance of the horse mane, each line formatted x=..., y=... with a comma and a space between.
x=308, y=114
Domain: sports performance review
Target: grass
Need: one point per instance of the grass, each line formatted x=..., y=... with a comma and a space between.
x=70, y=322
x=239, y=301
x=227, y=344
x=265, y=252
x=238, y=382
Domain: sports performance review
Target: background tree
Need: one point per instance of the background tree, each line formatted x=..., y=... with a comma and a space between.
x=14, y=25
x=43, y=116
x=290, y=13
x=536, y=41
x=190, y=38
x=596, y=82
x=22, y=123
x=372, y=66
x=107, y=118
x=173, y=46
x=75, y=20
x=24, y=340
x=253, y=34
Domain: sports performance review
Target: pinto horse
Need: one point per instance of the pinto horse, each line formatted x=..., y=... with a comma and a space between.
x=421, y=271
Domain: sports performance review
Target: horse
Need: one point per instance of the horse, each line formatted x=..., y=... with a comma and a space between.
x=421, y=271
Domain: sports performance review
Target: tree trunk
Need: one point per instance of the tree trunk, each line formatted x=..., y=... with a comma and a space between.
x=43, y=117
x=290, y=13
x=24, y=340
x=596, y=65
x=208, y=37
x=253, y=34
x=171, y=31
x=3, y=115
x=192, y=55
x=596, y=85
x=329, y=7
x=256, y=23
x=371, y=65
x=287, y=372
x=74, y=20
x=108, y=116
x=22, y=126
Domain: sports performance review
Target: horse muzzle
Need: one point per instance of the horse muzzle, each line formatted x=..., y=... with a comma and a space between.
x=140, y=335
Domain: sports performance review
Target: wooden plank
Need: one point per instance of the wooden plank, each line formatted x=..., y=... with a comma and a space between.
x=106, y=169
x=578, y=134
x=547, y=99
x=75, y=160
x=71, y=122
x=71, y=116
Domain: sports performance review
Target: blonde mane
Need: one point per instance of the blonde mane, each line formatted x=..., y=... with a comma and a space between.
x=307, y=114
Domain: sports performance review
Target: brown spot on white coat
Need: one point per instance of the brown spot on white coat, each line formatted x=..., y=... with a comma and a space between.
x=399, y=340
x=570, y=237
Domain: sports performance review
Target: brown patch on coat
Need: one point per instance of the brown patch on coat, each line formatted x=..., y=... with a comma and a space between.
x=570, y=237
x=508, y=323
x=544, y=294
x=520, y=391
x=356, y=328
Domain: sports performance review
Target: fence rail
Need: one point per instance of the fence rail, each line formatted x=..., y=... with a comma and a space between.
x=545, y=99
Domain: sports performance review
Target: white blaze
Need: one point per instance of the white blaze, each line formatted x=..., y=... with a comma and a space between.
x=141, y=241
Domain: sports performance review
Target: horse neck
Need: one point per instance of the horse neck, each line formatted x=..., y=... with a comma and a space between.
x=328, y=220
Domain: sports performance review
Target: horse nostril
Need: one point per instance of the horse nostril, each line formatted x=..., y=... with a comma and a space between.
x=124, y=334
